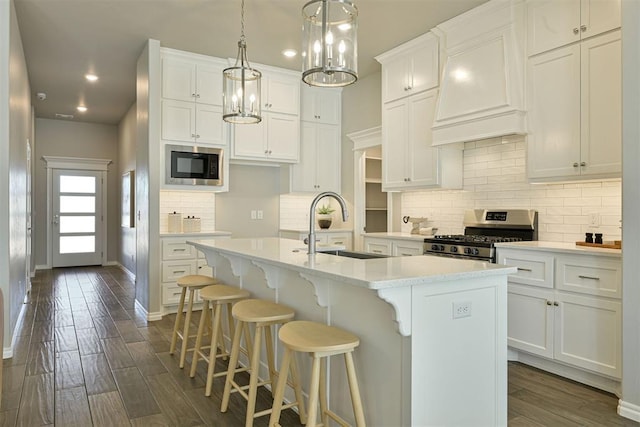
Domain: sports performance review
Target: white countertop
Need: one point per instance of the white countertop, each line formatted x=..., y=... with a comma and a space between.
x=202, y=234
x=371, y=273
x=397, y=235
x=571, y=248
x=317, y=230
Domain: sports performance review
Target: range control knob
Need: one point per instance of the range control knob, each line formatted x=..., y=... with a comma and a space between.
x=434, y=247
x=467, y=251
x=453, y=249
x=476, y=251
x=441, y=248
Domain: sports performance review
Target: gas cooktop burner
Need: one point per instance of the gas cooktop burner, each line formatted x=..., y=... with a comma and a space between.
x=461, y=238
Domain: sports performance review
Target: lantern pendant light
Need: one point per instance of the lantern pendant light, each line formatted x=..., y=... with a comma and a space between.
x=241, y=87
x=330, y=44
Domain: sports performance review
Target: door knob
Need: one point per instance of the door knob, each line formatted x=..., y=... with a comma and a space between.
x=56, y=219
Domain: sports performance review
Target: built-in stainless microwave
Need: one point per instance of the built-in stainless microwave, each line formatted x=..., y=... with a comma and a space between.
x=193, y=165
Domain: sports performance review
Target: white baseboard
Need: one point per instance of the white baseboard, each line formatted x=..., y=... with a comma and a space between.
x=111, y=264
x=628, y=410
x=126, y=270
x=7, y=353
x=151, y=317
x=43, y=267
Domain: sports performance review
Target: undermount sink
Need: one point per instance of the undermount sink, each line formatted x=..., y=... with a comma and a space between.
x=357, y=255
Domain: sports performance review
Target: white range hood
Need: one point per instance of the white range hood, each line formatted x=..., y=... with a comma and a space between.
x=481, y=91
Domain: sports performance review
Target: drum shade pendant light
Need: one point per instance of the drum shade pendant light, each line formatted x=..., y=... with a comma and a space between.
x=241, y=86
x=329, y=43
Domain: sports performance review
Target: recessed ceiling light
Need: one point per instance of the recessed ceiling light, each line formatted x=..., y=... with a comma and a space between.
x=91, y=77
x=81, y=108
x=289, y=53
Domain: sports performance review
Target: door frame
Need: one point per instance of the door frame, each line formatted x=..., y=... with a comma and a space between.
x=77, y=163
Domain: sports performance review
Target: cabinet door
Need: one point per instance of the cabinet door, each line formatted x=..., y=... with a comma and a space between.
x=249, y=140
x=210, y=128
x=424, y=66
x=327, y=159
x=178, y=120
x=395, y=79
x=406, y=248
x=328, y=106
x=209, y=85
x=395, y=135
x=422, y=157
x=283, y=136
x=599, y=16
x=304, y=176
x=601, y=113
x=588, y=333
x=204, y=268
x=282, y=95
x=554, y=114
x=178, y=79
x=551, y=24
x=530, y=320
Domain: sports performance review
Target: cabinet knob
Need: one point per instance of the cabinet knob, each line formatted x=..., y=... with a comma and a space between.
x=269, y=151
x=197, y=136
x=583, y=28
x=266, y=151
x=270, y=105
x=266, y=104
x=197, y=95
x=576, y=31
x=193, y=135
x=575, y=164
x=193, y=95
x=583, y=163
x=555, y=303
x=549, y=302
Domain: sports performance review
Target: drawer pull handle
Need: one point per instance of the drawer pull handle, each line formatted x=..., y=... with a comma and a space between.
x=588, y=277
x=524, y=269
x=339, y=243
x=179, y=249
x=406, y=254
x=178, y=271
x=376, y=251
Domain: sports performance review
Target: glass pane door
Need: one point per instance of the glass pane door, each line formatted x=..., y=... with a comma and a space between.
x=77, y=218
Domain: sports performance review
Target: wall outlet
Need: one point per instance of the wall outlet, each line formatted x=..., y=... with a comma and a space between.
x=461, y=309
x=594, y=219
x=254, y=214
x=260, y=215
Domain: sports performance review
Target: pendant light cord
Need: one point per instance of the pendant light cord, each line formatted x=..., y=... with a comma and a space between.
x=242, y=21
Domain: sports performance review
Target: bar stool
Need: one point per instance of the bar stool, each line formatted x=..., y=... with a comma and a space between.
x=262, y=314
x=219, y=296
x=321, y=341
x=191, y=282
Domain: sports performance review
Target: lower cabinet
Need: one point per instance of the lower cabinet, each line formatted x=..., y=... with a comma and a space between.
x=179, y=259
x=578, y=328
x=337, y=238
x=393, y=247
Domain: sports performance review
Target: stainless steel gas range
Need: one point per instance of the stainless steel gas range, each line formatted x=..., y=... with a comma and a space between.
x=482, y=230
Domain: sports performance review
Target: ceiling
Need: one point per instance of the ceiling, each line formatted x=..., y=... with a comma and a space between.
x=65, y=39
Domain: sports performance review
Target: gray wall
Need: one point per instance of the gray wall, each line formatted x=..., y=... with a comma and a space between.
x=127, y=133
x=250, y=188
x=15, y=131
x=76, y=139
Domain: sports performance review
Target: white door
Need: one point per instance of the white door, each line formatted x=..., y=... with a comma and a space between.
x=77, y=218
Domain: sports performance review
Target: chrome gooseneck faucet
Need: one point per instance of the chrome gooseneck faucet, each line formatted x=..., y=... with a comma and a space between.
x=312, y=229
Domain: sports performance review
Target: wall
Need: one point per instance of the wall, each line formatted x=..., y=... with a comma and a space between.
x=495, y=177
x=250, y=188
x=630, y=401
x=15, y=128
x=84, y=140
x=127, y=133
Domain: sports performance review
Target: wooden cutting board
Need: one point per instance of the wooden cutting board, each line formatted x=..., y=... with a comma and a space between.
x=615, y=244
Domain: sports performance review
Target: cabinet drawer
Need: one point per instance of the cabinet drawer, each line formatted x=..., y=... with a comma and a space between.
x=177, y=249
x=171, y=294
x=378, y=248
x=533, y=269
x=402, y=248
x=173, y=270
x=590, y=275
x=204, y=268
x=340, y=239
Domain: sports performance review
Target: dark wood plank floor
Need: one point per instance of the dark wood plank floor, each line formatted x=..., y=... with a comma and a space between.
x=85, y=356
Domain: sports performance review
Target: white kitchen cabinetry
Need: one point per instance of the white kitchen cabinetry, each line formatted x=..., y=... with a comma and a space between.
x=566, y=308
x=393, y=247
x=408, y=159
x=325, y=237
x=320, y=159
x=321, y=105
x=575, y=111
x=193, y=122
x=180, y=259
x=553, y=23
x=410, y=68
x=277, y=137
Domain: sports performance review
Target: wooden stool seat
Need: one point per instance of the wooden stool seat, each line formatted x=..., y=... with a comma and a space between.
x=263, y=315
x=321, y=341
x=191, y=283
x=216, y=296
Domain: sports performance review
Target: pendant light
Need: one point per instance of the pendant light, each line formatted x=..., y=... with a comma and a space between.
x=330, y=44
x=241, y=86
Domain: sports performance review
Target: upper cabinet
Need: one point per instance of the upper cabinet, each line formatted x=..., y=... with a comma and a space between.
x=575, y=111
x=321, y=105
x=277, y=137
x=482, y=87
x=411, y=68
x=553, y=23
x=192, y=98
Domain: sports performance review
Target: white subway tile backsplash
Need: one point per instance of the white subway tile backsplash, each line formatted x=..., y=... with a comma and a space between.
x=200, y=204
x=495, y=177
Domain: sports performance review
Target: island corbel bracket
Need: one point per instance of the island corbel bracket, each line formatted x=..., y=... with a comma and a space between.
x=271, y=273
x=238, y=265
x=321, y=287
x=400, y=300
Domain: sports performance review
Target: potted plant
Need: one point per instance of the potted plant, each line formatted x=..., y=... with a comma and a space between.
x=324, y=216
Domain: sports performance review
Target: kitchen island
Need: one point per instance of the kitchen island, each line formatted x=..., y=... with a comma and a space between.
x=433, y=333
